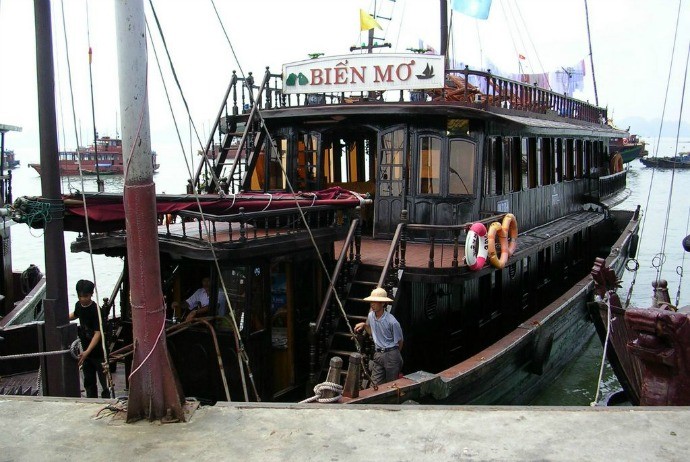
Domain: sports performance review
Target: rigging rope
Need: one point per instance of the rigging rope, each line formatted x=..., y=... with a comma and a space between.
x=86, y=215
x=606, y=344
x=673, y=170
x=657, y=144
x=239, y=344
x=679, y=269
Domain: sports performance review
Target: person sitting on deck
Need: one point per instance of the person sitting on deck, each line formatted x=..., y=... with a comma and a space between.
x=198, y=303
x=91, y=358
x=388, y=338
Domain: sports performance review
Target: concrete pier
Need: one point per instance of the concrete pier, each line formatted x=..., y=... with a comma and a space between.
x=68, y=429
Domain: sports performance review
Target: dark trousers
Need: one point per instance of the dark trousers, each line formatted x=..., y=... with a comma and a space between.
x=385, y=366
x=91, y=368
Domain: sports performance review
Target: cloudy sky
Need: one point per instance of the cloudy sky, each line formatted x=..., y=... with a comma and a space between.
x=632, y=42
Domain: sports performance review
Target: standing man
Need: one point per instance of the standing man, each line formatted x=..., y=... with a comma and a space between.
x=387, y=335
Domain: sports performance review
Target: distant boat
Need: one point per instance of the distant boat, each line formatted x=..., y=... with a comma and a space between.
x=682, y=160
x=629, y=148
x=105, y=158
x=9, y=160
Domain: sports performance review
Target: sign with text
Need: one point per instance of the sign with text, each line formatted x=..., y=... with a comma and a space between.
x=365, y=72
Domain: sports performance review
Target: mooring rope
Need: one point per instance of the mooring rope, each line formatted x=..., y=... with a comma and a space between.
x=606, y=343
x=325, y=386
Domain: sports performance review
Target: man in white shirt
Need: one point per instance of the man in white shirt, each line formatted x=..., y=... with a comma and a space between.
x=198, y=303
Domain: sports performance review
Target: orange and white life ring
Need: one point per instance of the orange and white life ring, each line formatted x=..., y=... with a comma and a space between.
x=497, y=229
x=509, y=225
x=476, y=248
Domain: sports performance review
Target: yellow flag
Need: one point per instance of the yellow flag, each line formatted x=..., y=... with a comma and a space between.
x=366, y=22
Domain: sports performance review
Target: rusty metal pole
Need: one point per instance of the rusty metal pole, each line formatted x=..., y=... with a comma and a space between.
x=154, y=389
x=62, y=373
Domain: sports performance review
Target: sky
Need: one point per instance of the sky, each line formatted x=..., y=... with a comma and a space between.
x=632, y=42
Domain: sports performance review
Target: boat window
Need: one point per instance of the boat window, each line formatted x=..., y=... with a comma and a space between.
x=461, y=167
x=531, y=162
x=491, y=176
x=391, y=168
x=579, y=156
x=547, y=172
x=559, y=161
x=569, y=159
x=587, y=161
x=307, y=163
x=429, y=165
x=515, y=168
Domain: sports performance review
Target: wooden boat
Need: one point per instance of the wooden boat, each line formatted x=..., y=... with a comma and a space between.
x=681, y=161
x=647, y=348
x=629, y=147
x=9, y=159
x=496, y=335
x=21, y=304
x=353, y=172
x=103, y=158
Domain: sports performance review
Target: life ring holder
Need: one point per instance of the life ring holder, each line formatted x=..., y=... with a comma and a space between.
x=476, y=247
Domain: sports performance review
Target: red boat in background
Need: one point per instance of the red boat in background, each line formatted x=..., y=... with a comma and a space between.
x=104, y=158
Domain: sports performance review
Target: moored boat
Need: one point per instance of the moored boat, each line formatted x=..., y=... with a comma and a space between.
x=103, y=158
x=630, y=147
x=428, y=154
x=681, y=161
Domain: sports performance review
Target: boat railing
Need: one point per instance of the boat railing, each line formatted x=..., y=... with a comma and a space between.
x=612, y=184
x=463, y=87
x=247, y=226
x=428, y=234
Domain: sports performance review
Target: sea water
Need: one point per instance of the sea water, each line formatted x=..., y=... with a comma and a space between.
x=660, y=193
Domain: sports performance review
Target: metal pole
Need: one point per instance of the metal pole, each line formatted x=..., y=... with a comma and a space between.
x=591, y=58
x=154, y=391
x=62, y=371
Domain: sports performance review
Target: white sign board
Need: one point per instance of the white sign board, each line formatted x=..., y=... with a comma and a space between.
x=364, y=72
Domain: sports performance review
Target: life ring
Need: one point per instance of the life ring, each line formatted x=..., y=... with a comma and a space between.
x=510, y=227
x=476, y=248
x=617, y=163
x=494, y=229
x=625, y=141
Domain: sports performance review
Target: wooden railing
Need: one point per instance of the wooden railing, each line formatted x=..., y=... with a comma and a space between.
x=247, y=226
x=395, y=261
x=612, y=184
x=464, y=87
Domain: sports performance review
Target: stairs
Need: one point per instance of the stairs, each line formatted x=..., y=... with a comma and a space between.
x=341, y=342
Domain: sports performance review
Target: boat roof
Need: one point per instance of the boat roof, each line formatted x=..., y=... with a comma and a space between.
x=9, y=128
x=538, y=123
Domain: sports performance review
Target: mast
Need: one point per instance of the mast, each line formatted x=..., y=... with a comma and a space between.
x=444, y=29
x=62, y=373
x=154, y=388
x=591, y=58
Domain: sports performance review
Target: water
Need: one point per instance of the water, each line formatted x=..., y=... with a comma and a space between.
x=578, y=383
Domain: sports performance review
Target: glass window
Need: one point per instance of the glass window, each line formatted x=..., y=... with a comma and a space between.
x=461, y=167
x=429, y=165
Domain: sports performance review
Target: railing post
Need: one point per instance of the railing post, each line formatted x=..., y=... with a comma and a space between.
x=403, y=237
x=312, y=356
x=456, y=238
x=243, y=236
x=358, y=235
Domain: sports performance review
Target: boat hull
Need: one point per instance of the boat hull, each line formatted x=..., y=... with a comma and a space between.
x=518, y=366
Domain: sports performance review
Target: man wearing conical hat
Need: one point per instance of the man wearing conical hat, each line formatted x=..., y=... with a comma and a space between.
x=388, y=338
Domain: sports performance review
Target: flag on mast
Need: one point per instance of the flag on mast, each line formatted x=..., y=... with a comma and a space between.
x=478, y=9
x=367, y=22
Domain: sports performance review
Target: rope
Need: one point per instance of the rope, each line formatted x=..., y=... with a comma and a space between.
x=606, y=344
x=679, y=269
x=242, y=357
x=74, y=350
x=324, y=386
